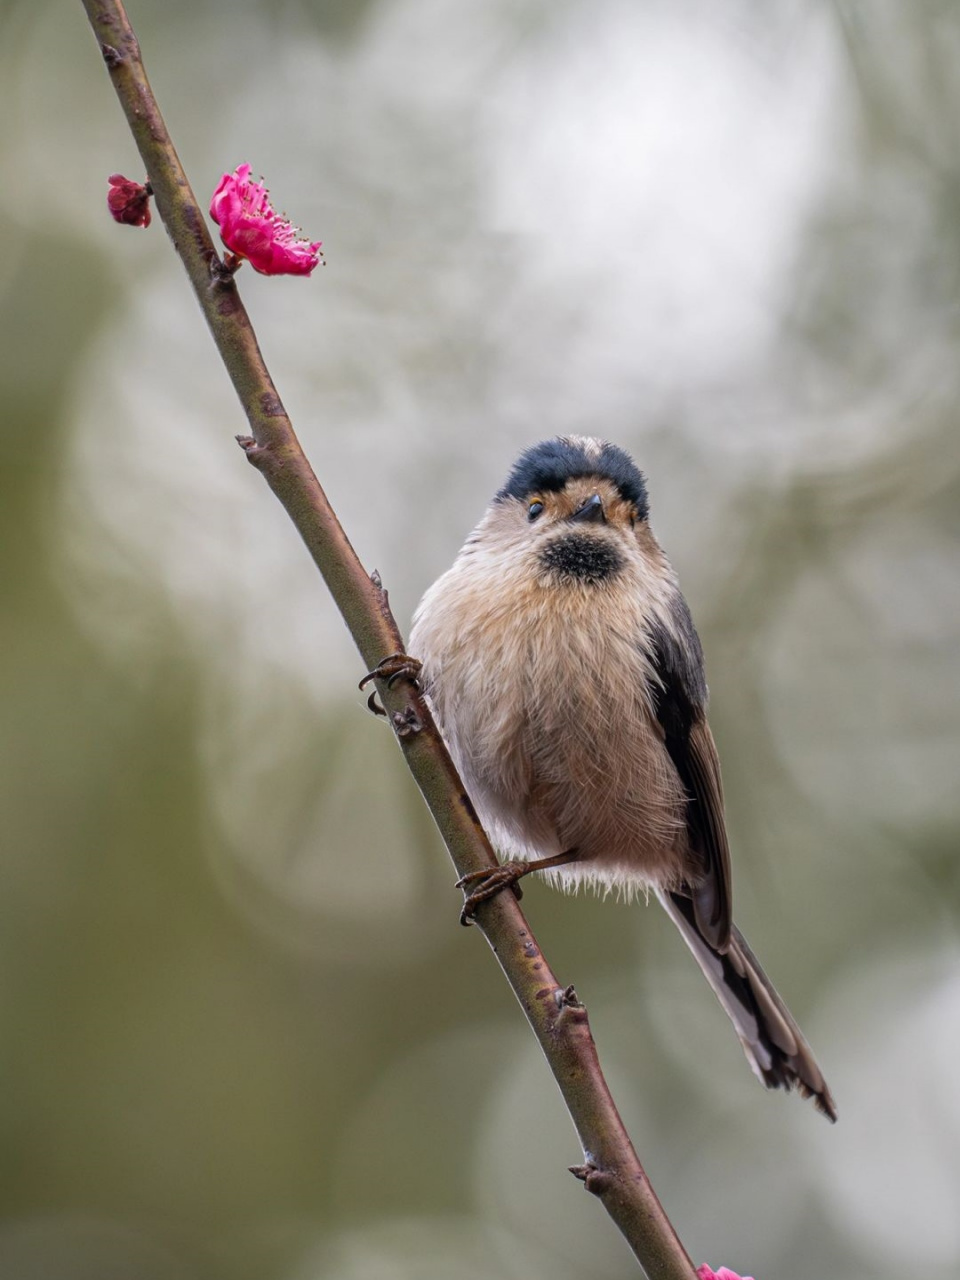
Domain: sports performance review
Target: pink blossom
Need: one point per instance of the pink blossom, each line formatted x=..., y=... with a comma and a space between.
x=128, y=201
x=705, y=1273
x=251, y=229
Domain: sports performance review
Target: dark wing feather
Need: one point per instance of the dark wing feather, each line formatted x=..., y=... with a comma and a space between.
x=679, y=698
x=712, y=900
x=701, y=908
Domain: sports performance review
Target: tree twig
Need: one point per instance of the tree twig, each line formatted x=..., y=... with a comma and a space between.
x=611, y=1169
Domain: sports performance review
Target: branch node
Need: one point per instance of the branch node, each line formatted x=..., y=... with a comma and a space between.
x=571, y=1011
x=111, y=56
x=382, y=592
x=597, y=1181
x=568, y=998
x=222, y=270
x=258, y=455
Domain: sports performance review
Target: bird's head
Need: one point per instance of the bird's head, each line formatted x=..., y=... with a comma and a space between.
x=575, y=502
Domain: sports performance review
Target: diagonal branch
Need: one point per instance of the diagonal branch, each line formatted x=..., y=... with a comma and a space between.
x=611, y=1169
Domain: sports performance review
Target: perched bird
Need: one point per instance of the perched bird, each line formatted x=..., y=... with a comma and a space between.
x=566, y=675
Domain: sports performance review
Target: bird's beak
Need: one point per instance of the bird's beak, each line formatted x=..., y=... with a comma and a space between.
x=591, y=511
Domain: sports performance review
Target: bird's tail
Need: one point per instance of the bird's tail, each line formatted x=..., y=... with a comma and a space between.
x=772, y=1041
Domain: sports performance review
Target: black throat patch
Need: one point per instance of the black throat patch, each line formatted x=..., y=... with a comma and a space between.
x=578, y=557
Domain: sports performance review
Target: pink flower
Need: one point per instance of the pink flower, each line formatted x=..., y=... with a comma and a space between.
x=251, y=229
x=128, y=201
x=724, y=1273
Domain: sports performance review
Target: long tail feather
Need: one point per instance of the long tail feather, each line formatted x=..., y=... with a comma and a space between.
x=772, y=1041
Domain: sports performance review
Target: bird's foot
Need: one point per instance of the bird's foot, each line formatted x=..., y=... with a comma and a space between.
x=489, y=881
x=493, y=880
x=398, y=666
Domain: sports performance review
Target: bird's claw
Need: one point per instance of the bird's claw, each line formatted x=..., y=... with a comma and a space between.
x=398, y=666
x=489, y=881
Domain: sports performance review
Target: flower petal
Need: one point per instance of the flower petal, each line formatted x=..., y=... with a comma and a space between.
x=251, y=229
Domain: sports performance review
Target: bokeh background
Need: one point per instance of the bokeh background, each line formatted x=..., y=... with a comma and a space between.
x=242, y=1036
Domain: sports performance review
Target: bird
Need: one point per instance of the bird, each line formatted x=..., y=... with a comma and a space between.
x=561, y=663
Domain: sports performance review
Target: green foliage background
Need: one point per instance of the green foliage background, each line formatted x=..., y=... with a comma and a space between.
x=241, y=1033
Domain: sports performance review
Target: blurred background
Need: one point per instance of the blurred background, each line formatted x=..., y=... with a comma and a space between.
x=242, y=1035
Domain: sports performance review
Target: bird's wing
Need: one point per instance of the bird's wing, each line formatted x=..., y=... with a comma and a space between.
x=679, y=695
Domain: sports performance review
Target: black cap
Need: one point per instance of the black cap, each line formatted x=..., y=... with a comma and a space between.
x=546, y=467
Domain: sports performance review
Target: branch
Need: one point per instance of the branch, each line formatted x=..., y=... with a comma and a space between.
x=611, y=1169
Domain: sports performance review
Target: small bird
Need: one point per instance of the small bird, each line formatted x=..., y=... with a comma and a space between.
x=566, y=676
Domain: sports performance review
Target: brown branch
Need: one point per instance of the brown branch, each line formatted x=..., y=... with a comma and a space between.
x=611, y=1169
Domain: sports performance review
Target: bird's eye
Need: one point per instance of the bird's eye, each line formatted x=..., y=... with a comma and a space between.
x=534, y=509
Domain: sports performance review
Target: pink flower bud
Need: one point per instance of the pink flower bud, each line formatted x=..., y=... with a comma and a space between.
x=251, y=229
x=724, y=1273
x=129, y=201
